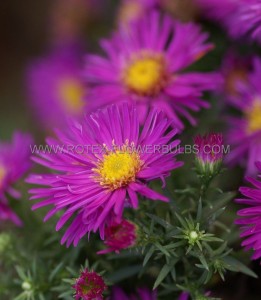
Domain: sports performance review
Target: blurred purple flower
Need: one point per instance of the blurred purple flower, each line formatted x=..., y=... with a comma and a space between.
x=250, y=217
x=95, y=186
x=244, y=133
x=14, y=163
x=240, y=17
x=146, y=65
x=142, y=294
x=55, y=87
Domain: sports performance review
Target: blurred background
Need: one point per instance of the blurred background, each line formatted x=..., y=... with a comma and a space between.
x=30, y=30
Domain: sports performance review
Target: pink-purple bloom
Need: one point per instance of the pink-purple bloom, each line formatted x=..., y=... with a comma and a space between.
x=142, y=294
x=250, y=217
x=234, y=69
x=119, y=236
x=14, y=163
x=145, y=65
x=240, y=17
x=209, y=147
x=55, y=87
x=244, y=133
x=95, y=185
x=89, y=286
x=183, y=296
x=209, y=153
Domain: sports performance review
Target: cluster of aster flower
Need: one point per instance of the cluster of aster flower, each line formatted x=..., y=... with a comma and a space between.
x=123, y=108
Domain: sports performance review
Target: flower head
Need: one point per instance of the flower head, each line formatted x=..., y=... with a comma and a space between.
x=119, y=236
x=142, y=294
x=145, y=65
x=95, y=185
x=241, y=18
x=209, y=153
x=54, y=81
x=244, y=134
x=14, y=163
x=235, y=69
x=89, y=286
x=250, y=217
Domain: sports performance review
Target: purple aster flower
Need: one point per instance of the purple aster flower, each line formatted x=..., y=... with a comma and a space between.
x=183, y=296
x=89, y=286
x=54, y=82
x=234, y=69
x=6, y=214
x=240, y=17
x=142, y=294
x=95, y=185
x=145, y=65
x=250, y=217
x=14, y=163
x=119, y=236
x=209, y=153
x=244, y=134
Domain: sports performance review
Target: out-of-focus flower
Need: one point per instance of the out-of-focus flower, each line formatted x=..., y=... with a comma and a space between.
x=250, y=220
x=6, y=214
x=14, y=163
x=142, y=294
x=145, y=65
x=89, y=286
x=241, y=17
x=131, y=10
x=244, y=133
x=183, y=296
x=234, y=69
x=96, y=183
x=119, y=236
x=55, y=87
x=209, y=153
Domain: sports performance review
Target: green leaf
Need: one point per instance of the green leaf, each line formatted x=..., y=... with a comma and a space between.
x=162, y=275
x=124, y=273
x=148, y=255
x=160, y=221
x=236, y=266
x=162, y=249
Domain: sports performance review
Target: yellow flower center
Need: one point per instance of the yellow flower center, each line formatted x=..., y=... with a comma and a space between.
x=254, y=117
x=2, y=175
x=146, y=75
x=118, y=168
x=71, y=93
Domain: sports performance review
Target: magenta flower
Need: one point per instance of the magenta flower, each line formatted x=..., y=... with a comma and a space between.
x=119, y=236
x=146, y=65
x=250, y=220
x=183, y=296
x=240, y=17
x=96, y=184
x=142, y=294
x=244, y=134
x=6, y=214
x=54, y=81
x=234, y=69
x=14, y=163
x=209, y=153
x=89, y=286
